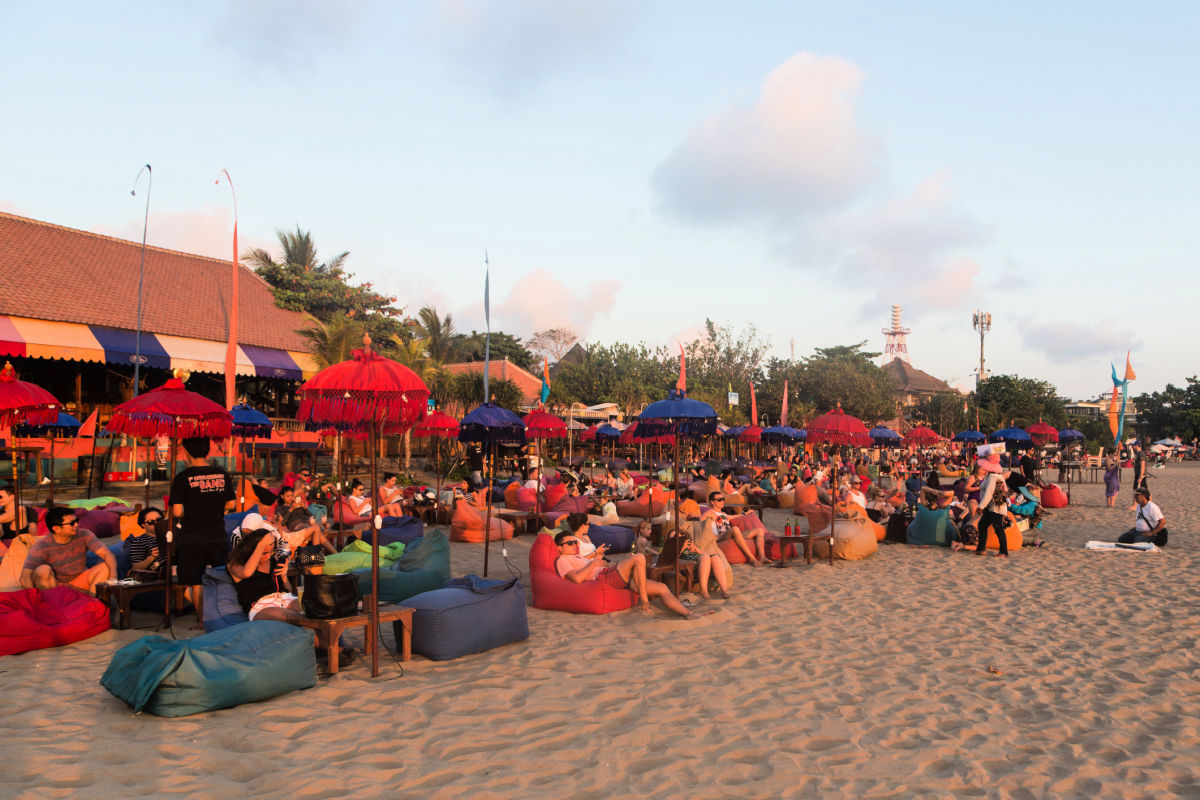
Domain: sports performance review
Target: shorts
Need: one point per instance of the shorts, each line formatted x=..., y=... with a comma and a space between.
x=612, y=577
x=192, y=557
x=284, y=600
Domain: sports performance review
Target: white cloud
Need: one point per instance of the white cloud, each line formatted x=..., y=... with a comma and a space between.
x=1067, y=342
x=289, y=35
x=208, y=233
x=538, y=300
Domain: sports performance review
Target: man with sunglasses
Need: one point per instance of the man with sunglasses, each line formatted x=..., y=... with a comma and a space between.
x=629, y=574
x=60, y=559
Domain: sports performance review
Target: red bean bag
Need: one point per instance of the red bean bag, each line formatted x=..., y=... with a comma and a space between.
x=805, y=495
x=518, y=497
x=1054, y=497
x=467, y=525
x=818, y=516
x=637, y=507
x=555, y=593
x=33, y=619
x=734, y=555
x=343, y=514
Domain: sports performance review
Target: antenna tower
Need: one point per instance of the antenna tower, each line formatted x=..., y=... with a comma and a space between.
x=896, y=338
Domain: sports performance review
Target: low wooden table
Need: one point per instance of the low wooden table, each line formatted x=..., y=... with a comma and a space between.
x=330, y=631
x=124, y=593
x=527, y=521
x=784, y=541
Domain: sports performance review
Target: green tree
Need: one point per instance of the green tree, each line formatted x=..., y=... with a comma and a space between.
x=943, y=412
x=503, y=345
x=1174, y=411
x=721, y=359
x=1006, y=400
x=847, y=375
x=333, y=342
x=439, y=334
x=466, y=390
x=628, y=375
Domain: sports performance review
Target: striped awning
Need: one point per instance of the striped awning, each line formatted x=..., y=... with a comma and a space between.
x=71, y=341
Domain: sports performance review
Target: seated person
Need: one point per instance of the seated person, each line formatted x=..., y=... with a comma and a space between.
x=296, y=523
x=359, y=504
x=703, y=549
x=725, y=529
x=623, y=485
x=851, y=492
x=8, y=512
x=606, y=509
x=1150, y=524
x=391, y=497
x=60, y=559
x=578, y=524
x=629, y=574
x=143, y=548
x=260, y=577
x=912, y=489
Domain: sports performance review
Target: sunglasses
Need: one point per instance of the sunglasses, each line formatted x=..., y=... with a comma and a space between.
x=151, y=521
x=718, y=499
x=71, y=524
x=569, y=542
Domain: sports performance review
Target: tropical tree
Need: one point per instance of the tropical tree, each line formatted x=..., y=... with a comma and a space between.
x=1006, y=400
x=467, y=391
x=844, y=375
x=438, y=333
x=334, y=341
x=503, y=345
x=553, y=342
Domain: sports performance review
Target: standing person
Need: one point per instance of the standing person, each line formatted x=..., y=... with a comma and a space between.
x=993, y=500
x=60, y=559
x=1112, y=478
x=1150, y=524
x=201, y=495
x=1139, y=471
x=475, y=464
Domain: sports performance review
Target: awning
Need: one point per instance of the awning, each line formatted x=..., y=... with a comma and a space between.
x=71, y=341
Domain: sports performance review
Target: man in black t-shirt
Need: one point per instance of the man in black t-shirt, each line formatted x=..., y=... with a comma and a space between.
x=201, y=495
x=475, y=464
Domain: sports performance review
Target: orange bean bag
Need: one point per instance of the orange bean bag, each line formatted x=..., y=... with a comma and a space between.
x=518, y=497
x=805, y=495
x=554, y=494
x=1012, y=533
x=853, y=539
x=467, y=525
x=637, y=507
x=856, y=512
x=818, y=516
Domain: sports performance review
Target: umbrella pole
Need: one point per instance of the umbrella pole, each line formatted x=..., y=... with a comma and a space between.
x=169, y=591
x=487, y=519
x=50, y=497
x=147, y=476
x=676, y=504
x=373, y=611
x=337, y=500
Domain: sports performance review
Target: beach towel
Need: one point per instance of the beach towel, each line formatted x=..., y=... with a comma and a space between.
x=1117, y=547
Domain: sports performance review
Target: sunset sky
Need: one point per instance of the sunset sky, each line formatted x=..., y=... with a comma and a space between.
x=632, y=168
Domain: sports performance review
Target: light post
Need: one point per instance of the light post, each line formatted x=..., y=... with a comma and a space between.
x=982, y=322
x=137, y=347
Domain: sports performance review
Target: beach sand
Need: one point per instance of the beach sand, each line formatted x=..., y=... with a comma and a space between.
x=914, y=673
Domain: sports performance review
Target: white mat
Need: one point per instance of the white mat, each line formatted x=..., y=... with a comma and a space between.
x=1136, y=547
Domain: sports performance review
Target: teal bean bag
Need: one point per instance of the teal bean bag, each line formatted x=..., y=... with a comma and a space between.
x=931, y=527
x=241, y=664
x=425, y=566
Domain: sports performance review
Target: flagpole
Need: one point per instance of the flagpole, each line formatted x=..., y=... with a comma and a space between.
x=137, y=355
x=231, y=348
x=487, y=318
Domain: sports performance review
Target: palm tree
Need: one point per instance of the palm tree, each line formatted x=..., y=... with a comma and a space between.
x=298, y=251
x=334, y=341
x=439, y=333
x=414, y=354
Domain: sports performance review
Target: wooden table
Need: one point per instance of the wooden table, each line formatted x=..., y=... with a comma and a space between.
x=124, y=593
x=784, y=541
x=527, y=520
x=330, y=631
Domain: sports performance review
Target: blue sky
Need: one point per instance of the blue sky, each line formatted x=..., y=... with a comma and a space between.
x=634, y=167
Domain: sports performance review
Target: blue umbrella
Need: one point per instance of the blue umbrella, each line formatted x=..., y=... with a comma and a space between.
x=490, y=425
x=971, y=436
x=608, y=431
x=782, y=434
x=1070, y=435
x=250, y=423
x=734, y=432
x=1013, y=435
x=678, y=416
x=883, y=435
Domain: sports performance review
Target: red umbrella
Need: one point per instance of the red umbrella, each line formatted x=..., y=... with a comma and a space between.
x=438, y=425
x=589, y=435
x=1041, y=433
x=373, y=394
x=543, y=425
x=752, y=433
x=838, y=427
x=923, y=436
x=22, y=402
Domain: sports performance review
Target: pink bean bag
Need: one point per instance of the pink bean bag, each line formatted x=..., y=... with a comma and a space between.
x=571, y=505
x=555, y=593
x=467, y=525
x=33, y=619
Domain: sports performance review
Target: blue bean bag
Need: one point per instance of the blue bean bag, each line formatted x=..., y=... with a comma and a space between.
x=618, y=538
x=398, y=529
x=240, y=664
x=930, y=527
x=470, y=615
x=424, y=566
x=221, y=606
x=234, y=521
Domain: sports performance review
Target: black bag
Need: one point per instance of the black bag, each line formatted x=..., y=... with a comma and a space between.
x=330, y=596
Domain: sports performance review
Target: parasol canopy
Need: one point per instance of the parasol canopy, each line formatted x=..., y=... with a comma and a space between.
x=543, y=425
x=735, y=431
x=838, y=427
x=782, y=434
x=922, y=435
x=439, y=424
x=1041, y=433
x=65, y=425
x=1169, y=443
x=171, y=410
x=608, y=433
x=1016, y=436
x=21, y=401
x=883, y=435
x=677, y=414
x=970, y=436
x=367, y=390
x=750, y=433
x=492, y=424
x=250, y=423
x=589, y=435
x=1070, y=435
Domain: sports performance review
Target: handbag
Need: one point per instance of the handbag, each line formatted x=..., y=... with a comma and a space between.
x=330, y=596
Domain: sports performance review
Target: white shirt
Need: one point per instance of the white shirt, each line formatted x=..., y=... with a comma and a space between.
x=1147, y=517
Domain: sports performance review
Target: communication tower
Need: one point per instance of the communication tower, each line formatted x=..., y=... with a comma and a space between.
x=896, y=338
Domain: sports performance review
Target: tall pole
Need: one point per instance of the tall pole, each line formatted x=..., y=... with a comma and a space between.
x=982, y=322
x=231, y=348
x=137, y=347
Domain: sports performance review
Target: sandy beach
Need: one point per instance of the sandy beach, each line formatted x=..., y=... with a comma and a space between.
x=914, y=673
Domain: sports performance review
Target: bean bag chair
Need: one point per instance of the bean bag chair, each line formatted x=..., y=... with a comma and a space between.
x=424, y=566
x=855, y=511
x=33, y=619
x=233, y=521
x=853, y=539
x=1054, y=497
x=510, y=495
x=14, y=561
x=805, y=495
x=734, y=554
x=239, y=664
x=785, y=499
x=618, y=538
x=343, y=514
x=571, y=505
x=357, y=555
x=931, y=527
x=128, y=525
x=554, y=493
x=638, y=507
x=467, y=525
x=94, y=502
x=1013, y=534
x=221, y=606
x=555, y=593
x=818, y=516
x=398, y=529
x=104, y=522
x=518, y=497
x=470, y=615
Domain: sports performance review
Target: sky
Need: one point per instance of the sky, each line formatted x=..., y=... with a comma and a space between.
x=632, y=168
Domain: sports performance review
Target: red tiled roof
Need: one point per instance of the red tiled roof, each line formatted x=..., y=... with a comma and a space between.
x=67, y=275
x=911, y=380
x=529, y=384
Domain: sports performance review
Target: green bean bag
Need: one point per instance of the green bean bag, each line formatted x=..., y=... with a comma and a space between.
x=930, y=527
x=357, y=555
x=222, y=669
